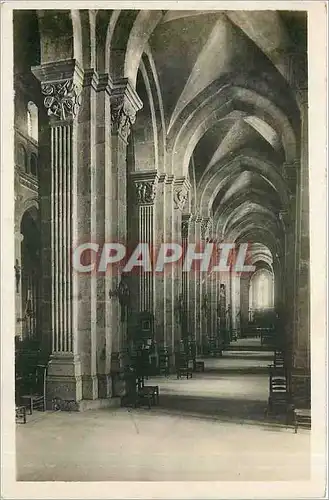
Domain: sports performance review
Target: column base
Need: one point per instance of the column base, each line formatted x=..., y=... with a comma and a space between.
x=89, y=387
x=64, y=381
x=84, y=404
x=104, y=386
x=301, y=388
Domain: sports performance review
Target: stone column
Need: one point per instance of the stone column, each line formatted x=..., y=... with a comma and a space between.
x=145, y=193
x=61, y=85
x=186, y=278
x=301, y=376
x=180, y=195
x=216, y=285
x=169, y=297
x=227, y=279
x=18, y=283
x=244, y=300
x=198, y=288
x=222, y=310
x=101, y=228
x=192, y=280
x=86, y=213
x=205, y=284
x=213, y=288
x=297, y=75
x=286, y=291
x=235, y=301
x=124, y=105
x=160, y=229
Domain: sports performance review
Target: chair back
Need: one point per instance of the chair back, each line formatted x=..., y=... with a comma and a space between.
x=278, y=384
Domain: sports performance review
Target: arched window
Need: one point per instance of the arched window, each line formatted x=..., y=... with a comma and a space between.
x=32, y=120
x=34, y=164
x=261, y=290
x=21, y=157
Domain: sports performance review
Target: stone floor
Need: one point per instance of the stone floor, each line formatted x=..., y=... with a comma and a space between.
x=211, y=427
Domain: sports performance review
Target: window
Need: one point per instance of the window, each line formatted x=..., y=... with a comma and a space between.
x=34, y=164
x=21, y=157
x=261, y=290
x=32, y=120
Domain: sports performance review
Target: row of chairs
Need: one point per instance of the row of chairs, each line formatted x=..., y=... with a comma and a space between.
x=280, y=400
x=186, y=365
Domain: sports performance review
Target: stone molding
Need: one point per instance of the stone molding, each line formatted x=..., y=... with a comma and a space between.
x=170, y=179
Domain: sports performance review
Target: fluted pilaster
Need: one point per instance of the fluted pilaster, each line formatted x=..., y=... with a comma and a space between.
x=61, y=86
x=186, y=277
x=145, y=184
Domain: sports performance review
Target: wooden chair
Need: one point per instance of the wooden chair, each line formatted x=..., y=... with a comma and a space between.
x=20, y=415
x=183, y=367
x=36, y=397
x=148, y=392
x=198, y=366
x=279, y=398
x=279, y=357
x=302, y=418
x=149, y=389
x=164, y=363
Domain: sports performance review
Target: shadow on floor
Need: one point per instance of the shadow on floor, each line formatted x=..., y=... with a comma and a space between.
x=234, y=370
x=236, y=411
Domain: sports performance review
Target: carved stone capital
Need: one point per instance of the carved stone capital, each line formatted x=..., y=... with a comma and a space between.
x=181, y=190
x=62, y=99
x=124, y=105
x=61, y=86
x=205, y=226
x=145, y=187
x=186, y=220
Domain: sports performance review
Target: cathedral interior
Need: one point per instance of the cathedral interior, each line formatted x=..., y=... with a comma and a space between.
x=161, y=126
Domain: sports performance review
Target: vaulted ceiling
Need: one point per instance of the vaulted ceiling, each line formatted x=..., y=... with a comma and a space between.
x=195, y=52
x=229, y=115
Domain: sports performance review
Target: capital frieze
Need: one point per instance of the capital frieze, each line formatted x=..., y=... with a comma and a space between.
x=61, y=86
x=145, y=187
x=181, y=191
x=62, y=99
x=205, y=227
x=186, y=220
